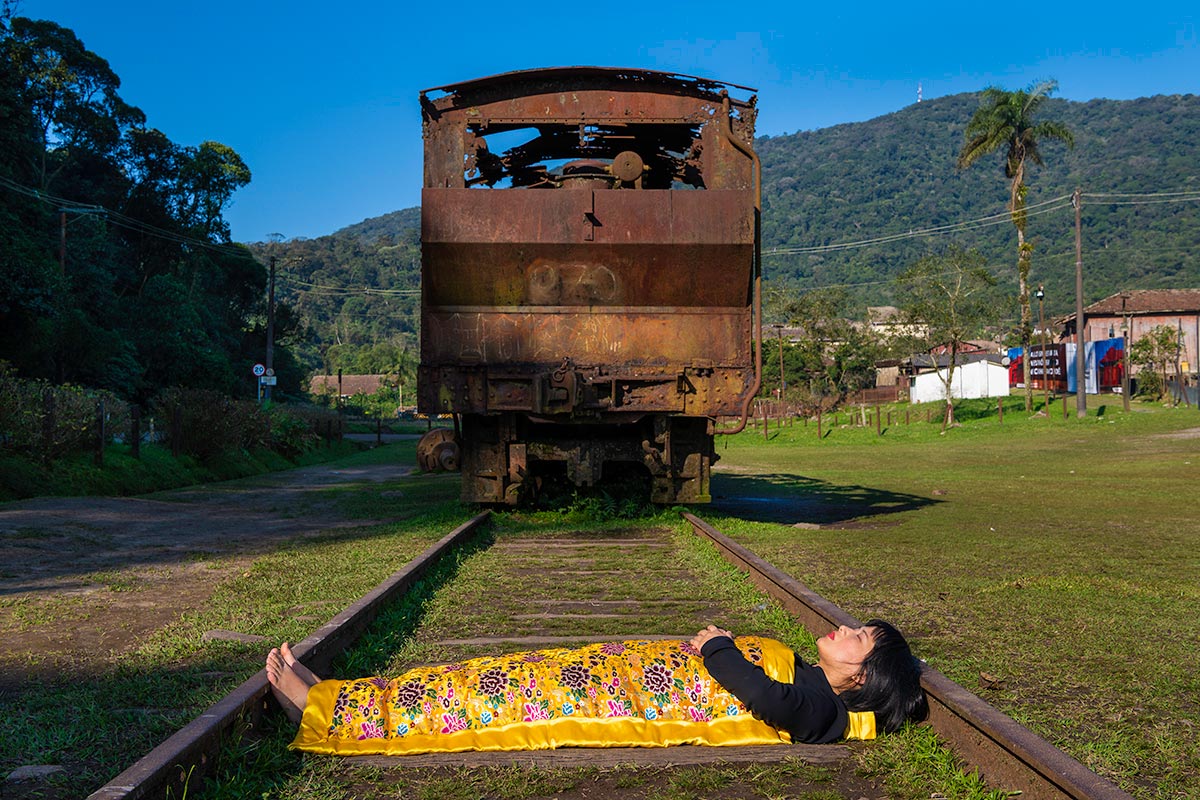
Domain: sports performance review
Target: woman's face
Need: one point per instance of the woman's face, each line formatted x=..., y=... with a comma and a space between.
x=841, y=653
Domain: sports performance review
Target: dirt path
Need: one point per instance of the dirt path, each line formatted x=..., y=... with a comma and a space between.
x=107, y=571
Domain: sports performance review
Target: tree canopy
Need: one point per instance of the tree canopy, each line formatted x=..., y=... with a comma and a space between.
x=952, y=298
x=116, y=266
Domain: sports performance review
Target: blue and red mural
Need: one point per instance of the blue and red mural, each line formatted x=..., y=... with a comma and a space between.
x=1054, y=367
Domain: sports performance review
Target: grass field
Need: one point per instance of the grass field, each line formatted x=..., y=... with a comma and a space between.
x=1050, y=566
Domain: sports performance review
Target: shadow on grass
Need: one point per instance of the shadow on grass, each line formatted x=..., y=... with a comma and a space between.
x=790, y=499
x=58, y=544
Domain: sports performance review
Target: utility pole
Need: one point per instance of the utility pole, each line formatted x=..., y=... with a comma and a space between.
x=782, y=380
x=270, y=362
x=1040, y=294
x=1126, y=335
x=1080, y=327
x=62, y=231
x=1180, y=352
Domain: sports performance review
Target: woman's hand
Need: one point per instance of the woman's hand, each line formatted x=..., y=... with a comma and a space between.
x=711, y=632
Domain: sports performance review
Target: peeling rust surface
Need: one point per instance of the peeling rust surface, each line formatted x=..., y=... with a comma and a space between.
x=588, y=257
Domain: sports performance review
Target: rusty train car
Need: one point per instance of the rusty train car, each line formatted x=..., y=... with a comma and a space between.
x=590, y=276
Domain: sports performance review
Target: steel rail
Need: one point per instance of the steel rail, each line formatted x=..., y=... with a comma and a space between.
x=192, y=750
x=1007, y=754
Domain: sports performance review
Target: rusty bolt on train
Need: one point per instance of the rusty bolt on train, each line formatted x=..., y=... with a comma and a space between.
x=590, y=277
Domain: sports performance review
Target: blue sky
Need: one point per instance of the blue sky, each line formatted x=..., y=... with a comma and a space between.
x=320, y=99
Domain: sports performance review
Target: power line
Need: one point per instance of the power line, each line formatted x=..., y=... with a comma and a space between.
x=122, y=220
x=1046, y=206
x=1195, y=192
x=955, y=227
x=326, y=289
x=1148, y=202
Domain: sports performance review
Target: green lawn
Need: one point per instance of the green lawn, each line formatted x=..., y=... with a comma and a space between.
x=1050, y=566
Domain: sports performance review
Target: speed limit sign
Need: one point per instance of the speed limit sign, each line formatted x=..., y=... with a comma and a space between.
x=259, y=370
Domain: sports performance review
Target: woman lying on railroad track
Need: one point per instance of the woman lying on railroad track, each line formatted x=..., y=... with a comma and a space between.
x=713, y=690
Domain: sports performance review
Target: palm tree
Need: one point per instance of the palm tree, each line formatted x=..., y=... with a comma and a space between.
x=1006, y=120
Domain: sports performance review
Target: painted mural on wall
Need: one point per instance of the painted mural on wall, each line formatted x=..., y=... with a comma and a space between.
x=1054, y=366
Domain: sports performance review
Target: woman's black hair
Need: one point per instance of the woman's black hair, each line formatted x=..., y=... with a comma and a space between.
x=891, y=681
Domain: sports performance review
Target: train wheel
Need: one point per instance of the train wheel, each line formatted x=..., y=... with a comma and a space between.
x=438, y=451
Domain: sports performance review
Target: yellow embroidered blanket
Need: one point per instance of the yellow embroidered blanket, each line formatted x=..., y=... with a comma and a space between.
x=617, y=694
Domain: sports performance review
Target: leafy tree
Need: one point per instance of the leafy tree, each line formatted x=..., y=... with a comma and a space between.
x=208, y=176
x=951, y=297
x=1154, y=351
x=147, y=292
x=71, y=92
x=833, y=358
x=1006, y=121
x=356, y=294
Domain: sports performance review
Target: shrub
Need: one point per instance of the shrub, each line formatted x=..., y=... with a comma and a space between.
x=37, y=417
x=204, y=423
x=291, y=433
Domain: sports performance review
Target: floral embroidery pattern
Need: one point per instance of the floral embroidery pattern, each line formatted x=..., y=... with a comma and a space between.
x=653, y=681
x=409, y=694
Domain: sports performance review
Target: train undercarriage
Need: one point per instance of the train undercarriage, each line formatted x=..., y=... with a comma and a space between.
x=507, y=458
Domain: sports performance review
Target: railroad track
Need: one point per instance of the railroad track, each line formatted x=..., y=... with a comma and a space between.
x=584, y=608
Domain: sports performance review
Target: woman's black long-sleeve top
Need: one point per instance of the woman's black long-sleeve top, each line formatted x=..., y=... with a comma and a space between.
x=807, y=708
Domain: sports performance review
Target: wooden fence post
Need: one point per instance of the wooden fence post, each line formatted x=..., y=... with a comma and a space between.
x=176, y=431
x=135, y=432
x=878, y=422
x=49, y=423
x=1000, y=409
x=818, y=423
x=99, y=433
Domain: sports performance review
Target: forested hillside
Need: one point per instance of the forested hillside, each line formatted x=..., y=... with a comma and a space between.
x=356, y=289
x=896, y=173
x=356, y=294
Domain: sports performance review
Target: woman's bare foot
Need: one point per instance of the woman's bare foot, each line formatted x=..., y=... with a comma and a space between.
x=289, y=688
x=305, y=674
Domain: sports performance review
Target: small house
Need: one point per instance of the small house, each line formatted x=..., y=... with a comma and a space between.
x=975, y=375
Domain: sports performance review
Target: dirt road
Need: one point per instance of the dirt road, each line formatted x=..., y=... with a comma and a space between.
x=84, y=579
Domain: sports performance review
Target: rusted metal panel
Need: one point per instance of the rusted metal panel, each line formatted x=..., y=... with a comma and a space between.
x=620, y=276
x=589, y=256
x=693, y=392
x=504, y=216
x=648, y=248
x=589, y=336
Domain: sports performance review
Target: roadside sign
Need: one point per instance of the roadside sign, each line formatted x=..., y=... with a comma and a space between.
x=270, y=373
x=259, y=370
x=266, y=380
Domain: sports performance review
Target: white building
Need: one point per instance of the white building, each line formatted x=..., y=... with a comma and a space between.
x=980, y=377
